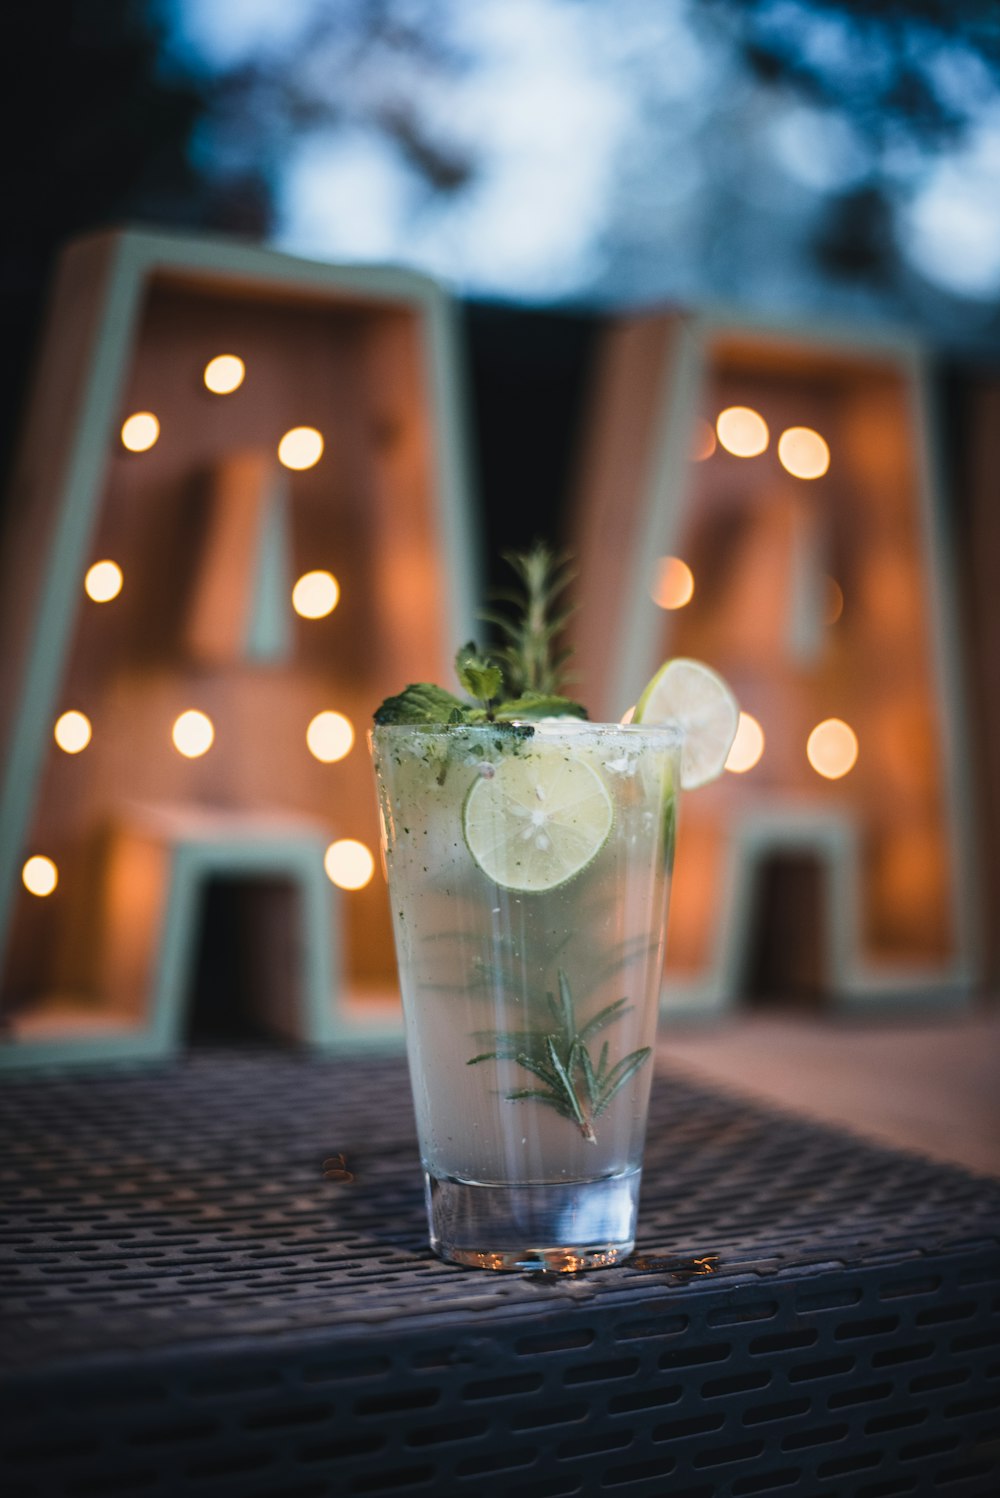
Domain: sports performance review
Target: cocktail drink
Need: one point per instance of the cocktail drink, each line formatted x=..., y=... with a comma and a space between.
x=528, y=867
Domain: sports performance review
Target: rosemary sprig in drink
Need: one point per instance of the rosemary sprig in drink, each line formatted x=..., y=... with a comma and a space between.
x=573, y=1085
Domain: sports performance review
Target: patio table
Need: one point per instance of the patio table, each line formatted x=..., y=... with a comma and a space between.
x=215, y=1280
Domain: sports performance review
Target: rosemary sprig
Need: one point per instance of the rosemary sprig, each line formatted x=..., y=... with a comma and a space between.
x=529, y=653
x=516, y=682
x=560, y=1058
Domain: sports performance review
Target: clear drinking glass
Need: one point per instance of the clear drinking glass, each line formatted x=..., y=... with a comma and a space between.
x=528, y=872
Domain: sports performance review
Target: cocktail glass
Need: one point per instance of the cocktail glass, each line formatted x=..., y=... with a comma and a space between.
x=528, y=869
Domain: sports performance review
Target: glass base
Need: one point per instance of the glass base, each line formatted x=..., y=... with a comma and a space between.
x=555, y=1228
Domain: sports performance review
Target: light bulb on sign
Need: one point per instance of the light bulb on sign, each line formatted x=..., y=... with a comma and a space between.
x=674, y=583
x=704, y=441
x=348, y=864
x=140, y=431
x=315, y=595
x=300, y=448
x=193, y=734
x=742, y=431
x=747, y=747
x=224, y=374
x=803, y=453
x=39, y=875
x=832, y=748
x=103, y=581
x=72, y=731
x=330, y=736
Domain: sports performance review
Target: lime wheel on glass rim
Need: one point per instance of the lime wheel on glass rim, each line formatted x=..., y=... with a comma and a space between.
x=692, y=695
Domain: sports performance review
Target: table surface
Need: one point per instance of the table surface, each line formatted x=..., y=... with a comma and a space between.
x=191, y=1202
x=930, y=1084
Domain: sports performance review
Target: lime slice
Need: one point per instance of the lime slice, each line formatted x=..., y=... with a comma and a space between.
x=696, y=698
x=538, y=820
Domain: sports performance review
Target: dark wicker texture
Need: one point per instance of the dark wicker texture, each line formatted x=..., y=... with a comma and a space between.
x=192, y=1303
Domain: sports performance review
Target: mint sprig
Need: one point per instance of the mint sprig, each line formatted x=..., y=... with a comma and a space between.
x=421, y=702
x=479, y=676
x=527, y=666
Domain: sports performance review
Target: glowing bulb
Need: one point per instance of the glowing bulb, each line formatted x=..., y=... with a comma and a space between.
x=72, y=731
x=748, y=745
x=302, y=447
x=674, y=585
x=224, y=374
x=832, y=748
x=803, y=452
x=140, y=431
x=329, y=736
x=704, y=441
x=193, y=734
x=40, y=875
x=742, y=431
x=103, y=581
x=348, y=864
x=315, y=595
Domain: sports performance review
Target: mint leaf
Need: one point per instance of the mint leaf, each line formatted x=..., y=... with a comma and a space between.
x=540, y=705
x=421, y=702
x=480, y=678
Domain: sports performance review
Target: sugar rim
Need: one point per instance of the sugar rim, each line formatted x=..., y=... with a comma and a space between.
x=543, y=728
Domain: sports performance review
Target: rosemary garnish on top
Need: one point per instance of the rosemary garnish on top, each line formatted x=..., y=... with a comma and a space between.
x=530, y=655
x=573, y=1085
x=519, y=680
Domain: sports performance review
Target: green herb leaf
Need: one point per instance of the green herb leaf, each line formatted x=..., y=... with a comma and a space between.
x=613, y=1011
x=478, y=675
x=589, y=1076
x=560, y=1058
x=420, y=702
x=540, y=705
x=529, y=652
x=537, y=1069
x=619, y=1075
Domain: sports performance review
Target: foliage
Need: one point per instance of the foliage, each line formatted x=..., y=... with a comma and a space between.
x=573, y=1084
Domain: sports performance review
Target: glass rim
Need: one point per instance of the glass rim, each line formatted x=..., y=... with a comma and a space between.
x=548, y=727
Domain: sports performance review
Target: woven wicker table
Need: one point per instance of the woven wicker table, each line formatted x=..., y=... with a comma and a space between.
x=194, y=1302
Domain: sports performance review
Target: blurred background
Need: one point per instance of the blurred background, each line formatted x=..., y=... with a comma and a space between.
x=557, y=163
x=552, y=160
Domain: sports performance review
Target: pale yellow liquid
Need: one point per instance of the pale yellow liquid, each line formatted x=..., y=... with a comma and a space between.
x=476, y=959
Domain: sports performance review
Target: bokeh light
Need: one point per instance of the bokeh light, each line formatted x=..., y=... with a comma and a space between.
x=673, y=586
x=315, y=595
x=224, y=374
x=300, y=448
x=742, y=431
x=330, y=736
x=193, y=734
x=748, y=745
x=348, y=864
x=832, y=748
x=39, y=875
x=72, y=731
x=704, y=440
x=103, y=581
x=803, y=452
x=140, y=431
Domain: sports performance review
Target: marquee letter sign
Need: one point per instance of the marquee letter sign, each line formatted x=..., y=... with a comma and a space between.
x=238, y=522
x=767, y=502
